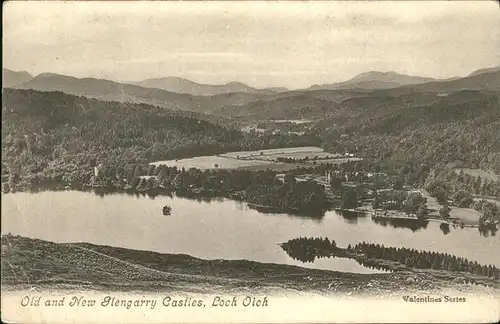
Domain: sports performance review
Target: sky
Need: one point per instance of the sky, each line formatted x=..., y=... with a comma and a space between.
x=291, y=44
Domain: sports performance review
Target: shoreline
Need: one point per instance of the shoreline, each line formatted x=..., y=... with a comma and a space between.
x=98, y=267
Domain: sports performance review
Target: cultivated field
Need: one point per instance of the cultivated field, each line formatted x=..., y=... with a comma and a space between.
x=288, y=150
x=259, y=160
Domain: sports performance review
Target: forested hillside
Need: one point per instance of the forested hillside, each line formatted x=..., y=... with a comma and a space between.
x=51, y=135
x=122, y=92
x=462, y=128
x=295, y=106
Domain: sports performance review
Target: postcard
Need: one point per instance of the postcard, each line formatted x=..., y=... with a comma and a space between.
x=250, y=162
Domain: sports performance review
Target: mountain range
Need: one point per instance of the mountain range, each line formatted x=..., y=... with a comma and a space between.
x=487, y=70
x=320, y=104
x=454, y=121
x=240, y=101
x=377, y=80
x=122, y=92
x=12, y=78
x=180, y=85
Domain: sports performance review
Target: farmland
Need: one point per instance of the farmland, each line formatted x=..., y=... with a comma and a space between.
x=290, y=150
x=260, y=160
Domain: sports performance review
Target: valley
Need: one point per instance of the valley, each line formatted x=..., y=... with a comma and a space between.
x=395, y=153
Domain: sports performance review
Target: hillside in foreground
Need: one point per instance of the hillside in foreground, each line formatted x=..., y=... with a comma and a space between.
x=28, y=263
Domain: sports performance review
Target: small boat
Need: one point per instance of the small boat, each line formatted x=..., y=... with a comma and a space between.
x=166, y=210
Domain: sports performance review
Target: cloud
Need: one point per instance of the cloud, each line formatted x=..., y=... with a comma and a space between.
x=222, y=41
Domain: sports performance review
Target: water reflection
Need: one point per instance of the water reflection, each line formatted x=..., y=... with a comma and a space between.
x=372, y=265
x=445, y=228
x=310, y=250
x=486, y=232
x=152, y=193
x=314, y=215
x=351, y=217
x=218, y=230
x=412, y=224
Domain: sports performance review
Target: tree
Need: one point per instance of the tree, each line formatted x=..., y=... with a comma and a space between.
x=462, y=199
x=440, y=195
x=413, y=201
x=422, y=211
x=289, y=180
x=376, y=202
x=398, y=184
x=350, y=199
x=135, y=182
x=335, y=183
x=444, y=212
x=477, y=185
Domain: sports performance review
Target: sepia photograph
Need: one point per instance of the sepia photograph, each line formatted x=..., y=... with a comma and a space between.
x=250, y=162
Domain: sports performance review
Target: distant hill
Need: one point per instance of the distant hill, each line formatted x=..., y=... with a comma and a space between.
x=388, y=77
x=488, y=81
x=293, y=106
x=487, y=70
x=266, y=104
x=343, y=103
x=110, y=90
x=375, y=80
x=106, y=129
x=276, y=89
x=418, y=128
x=180, y=85
x=11, y=78
x=457, y=107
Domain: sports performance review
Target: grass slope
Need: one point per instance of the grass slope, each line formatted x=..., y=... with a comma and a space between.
x=29, y=262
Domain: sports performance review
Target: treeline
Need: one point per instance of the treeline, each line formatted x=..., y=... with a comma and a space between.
x=450, y=186
x=257, y=187
x=412, y=203
x=308, y=249
x=305, y=159
x=412, y=224
x=302, y=196
x=490, y=218
x=425, y=260
x=449, y=183
x=55, y=137
x=460, y=129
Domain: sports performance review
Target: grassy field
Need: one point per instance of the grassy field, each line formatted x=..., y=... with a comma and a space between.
x=295, y=155
x=258, y=160
x=28, y=263
x=287, y=150
x=466, y=215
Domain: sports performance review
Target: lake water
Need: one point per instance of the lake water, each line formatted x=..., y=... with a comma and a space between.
x=221, y=229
